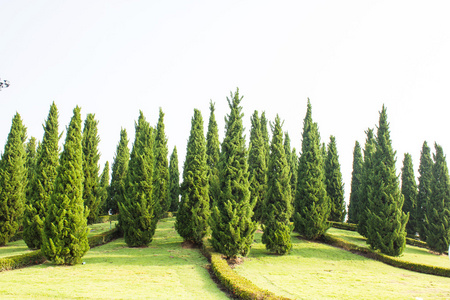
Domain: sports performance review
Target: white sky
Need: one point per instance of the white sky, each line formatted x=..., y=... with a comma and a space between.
x=114, y=57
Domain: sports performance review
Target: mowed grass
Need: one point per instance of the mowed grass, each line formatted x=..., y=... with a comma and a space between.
x=164, y=270
x=410, y=254
x=319, y=271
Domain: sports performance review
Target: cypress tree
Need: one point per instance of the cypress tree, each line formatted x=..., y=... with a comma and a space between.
x=232, y=226
x=30, y=153
x=312, y=204
x=212, y=155
x=13, y=181
x=386, y=221
x=294, y=173
x=161, y=169
x=174, y=181
x=257, y=168
x=193, y=214
x=119, y=173
x=89, y=145
x=424, y=190
x=437, y=216
x=265, y=135
x=42, y=184
x=278, y=206
x=288, y=153
x=333, y=182
x=65, y=228
x=103, y=190
x=365, y=187
x=409, y=191
x=138, y=217
x=355, y=198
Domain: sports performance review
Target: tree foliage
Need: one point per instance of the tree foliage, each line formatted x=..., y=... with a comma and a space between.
x=424, y=190
x=334, y=184
x=355, y=198
x=174, y=181
x=103, y=189
x=213, y=154
x=409, y=191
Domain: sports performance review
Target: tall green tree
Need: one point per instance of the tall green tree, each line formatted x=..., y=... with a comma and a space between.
x=386, y=221
x=103, y=189
x=119, y=173
x=193, y=214
x=213, y=154
x=232, y=226
x=265, y=135
x=292, y=160
x=91, y=156
x=30, y=154
x=409, y=191
x=65, y=227
x=278, y=206
x=174, y=181
x=353, y=206
x=13, y=181
x=424, y=192
x=312, y=204
x=364, y=188
x=334, y=184
x=437, y=216
x=138, y=210
x=161, y=168
x=257, y=168
x=41, y=186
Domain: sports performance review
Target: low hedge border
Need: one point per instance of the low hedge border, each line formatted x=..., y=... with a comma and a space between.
x=416, y=267
x=238, y=286
x=36, y=257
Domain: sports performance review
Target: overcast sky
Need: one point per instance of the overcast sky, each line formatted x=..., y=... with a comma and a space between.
x=114, y=58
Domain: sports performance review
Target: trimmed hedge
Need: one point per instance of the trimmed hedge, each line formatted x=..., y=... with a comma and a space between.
x=237, y=285
x=17, y=236
x=107, y=218
x=395, y=262
x=103, y=238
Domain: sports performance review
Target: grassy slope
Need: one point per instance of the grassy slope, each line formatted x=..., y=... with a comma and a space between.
x=319, y=271
x=164, y=270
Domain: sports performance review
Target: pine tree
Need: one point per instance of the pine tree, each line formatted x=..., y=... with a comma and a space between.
x=42, y=184
x=161, y=169
x=103, y=190
x=174, y=181
x=213, y=154
x=91, y=168
x=386, y=221
x=257, y=168
x=312, y=204
x=119, y=173
x=294, y=173
x=138, y=217
x=288, y=153
x=232, y=226
x=424, y=190
x=30, y=153
x=265, y=135
x=65, y=228
x=409, y=191
x=364, y=188
x=437, y=216
x=193, y=214
x=13, y=181
x=333, y=182
x=355, y=198
x=278, y=206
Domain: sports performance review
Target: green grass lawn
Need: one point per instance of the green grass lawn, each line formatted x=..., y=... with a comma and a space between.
x=319, y=271
x=164, y=270
x=411, y=253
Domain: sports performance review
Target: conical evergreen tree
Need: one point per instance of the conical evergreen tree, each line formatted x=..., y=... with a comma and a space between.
x=119, y=173
x=265, y=135
x=65, y=228
x=47, y=162
x=365, y=186
x=103, y=190
x=409, y=191
x=13, y=181
x=174, y=181
x=193, y=214
x=278, y=206
x=353, y=206
x=232, y=226
x=294, y=173
x=288, y=153
x=438, y=209
x=257, y=168
x=91, y=168
x=334, y=184
x=161, y=168
x=312, y=204
x=386, y=221
x=424, y=192
x=213, y=154
x=30, y=152
x=138, y=217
